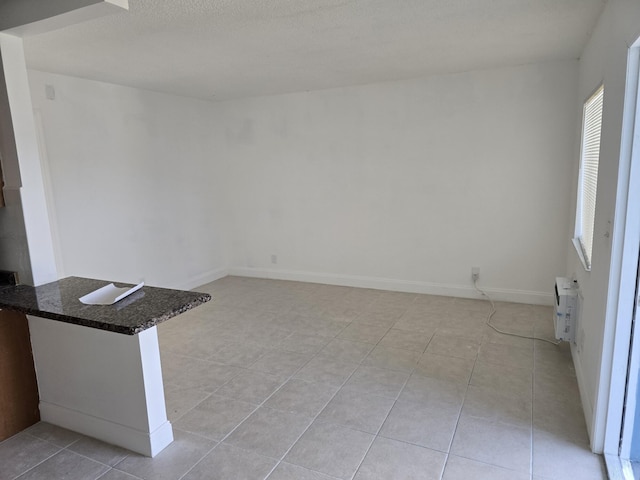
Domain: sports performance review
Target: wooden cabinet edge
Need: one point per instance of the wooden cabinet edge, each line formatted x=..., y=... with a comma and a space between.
x=18, y=386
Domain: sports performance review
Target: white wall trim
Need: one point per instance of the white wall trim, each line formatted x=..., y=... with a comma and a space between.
x=615, y=359
x=32, y=194
x=587, y=407
x=115, y=393
x=202, y=279
x=411, y=286
x=617, y=468
x=48, y=192
x=145, y=443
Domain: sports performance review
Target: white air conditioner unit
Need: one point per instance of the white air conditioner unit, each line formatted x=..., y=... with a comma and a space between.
x=566, y=309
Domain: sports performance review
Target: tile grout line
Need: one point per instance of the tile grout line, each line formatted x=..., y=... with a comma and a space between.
x=325, y=406
x=109, y=467
x=455, y=430
x=48, y=458
x=240, y=422
x=218, y=442
x=197, y=462
x=267, y=399
x=340, y=388
x=314, y=418
x=377, y=434
x=360, y=364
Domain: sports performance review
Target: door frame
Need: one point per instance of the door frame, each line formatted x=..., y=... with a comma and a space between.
x=623, y=347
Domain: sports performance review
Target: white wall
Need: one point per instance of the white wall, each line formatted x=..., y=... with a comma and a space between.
x=25, y=232
x=604, y=60
x=14, y=251
x=24, y=226
x=401, y=185
x=407, y=185
x=136, y=188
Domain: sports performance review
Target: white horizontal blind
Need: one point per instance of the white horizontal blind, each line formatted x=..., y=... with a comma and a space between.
x=591, y=130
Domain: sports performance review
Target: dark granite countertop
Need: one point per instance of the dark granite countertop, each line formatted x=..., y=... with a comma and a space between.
x=143, y=309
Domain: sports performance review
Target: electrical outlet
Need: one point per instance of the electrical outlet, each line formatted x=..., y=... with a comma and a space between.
x=274, y=259
x=475, y=273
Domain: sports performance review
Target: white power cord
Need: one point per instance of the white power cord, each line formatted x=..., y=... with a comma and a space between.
x=492, y=313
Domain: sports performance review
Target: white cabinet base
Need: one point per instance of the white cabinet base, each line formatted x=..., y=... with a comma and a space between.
x=102, y=384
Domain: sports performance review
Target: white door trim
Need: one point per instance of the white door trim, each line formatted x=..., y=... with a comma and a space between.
x=622, y=281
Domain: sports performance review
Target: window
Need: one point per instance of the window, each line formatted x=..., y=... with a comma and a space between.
x=588, y=183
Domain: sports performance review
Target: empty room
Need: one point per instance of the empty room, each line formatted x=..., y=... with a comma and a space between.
x=366, y=239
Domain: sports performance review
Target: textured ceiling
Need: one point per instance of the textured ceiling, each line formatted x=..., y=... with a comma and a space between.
x=220, y=49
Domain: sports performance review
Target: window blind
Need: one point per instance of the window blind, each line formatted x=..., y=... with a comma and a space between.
x=591, y=131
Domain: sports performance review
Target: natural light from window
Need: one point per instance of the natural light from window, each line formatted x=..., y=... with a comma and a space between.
x=588, y=184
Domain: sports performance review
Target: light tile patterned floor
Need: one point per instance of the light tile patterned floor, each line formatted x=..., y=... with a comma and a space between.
x=297, y=381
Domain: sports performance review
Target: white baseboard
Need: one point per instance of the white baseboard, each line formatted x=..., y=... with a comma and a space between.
x=202, y=279
x=584, y=398
x=411, y=286
x=617, y=468
x=145, y=443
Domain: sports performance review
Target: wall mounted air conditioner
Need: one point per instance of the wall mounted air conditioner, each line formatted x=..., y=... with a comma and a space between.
x=566, y=309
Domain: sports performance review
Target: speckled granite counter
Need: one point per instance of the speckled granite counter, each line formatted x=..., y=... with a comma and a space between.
x=59, y=301
x=94, y=380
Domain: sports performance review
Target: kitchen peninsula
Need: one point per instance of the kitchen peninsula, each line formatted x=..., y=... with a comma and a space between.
x=98, y=366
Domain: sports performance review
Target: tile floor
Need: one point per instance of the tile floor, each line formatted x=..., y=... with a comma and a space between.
x=297, y=381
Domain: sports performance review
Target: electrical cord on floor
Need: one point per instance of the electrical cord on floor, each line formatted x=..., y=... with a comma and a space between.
x=492, y=313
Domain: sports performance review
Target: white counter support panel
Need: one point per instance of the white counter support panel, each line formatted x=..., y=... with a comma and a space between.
x=102, y=384
x=98, y=366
